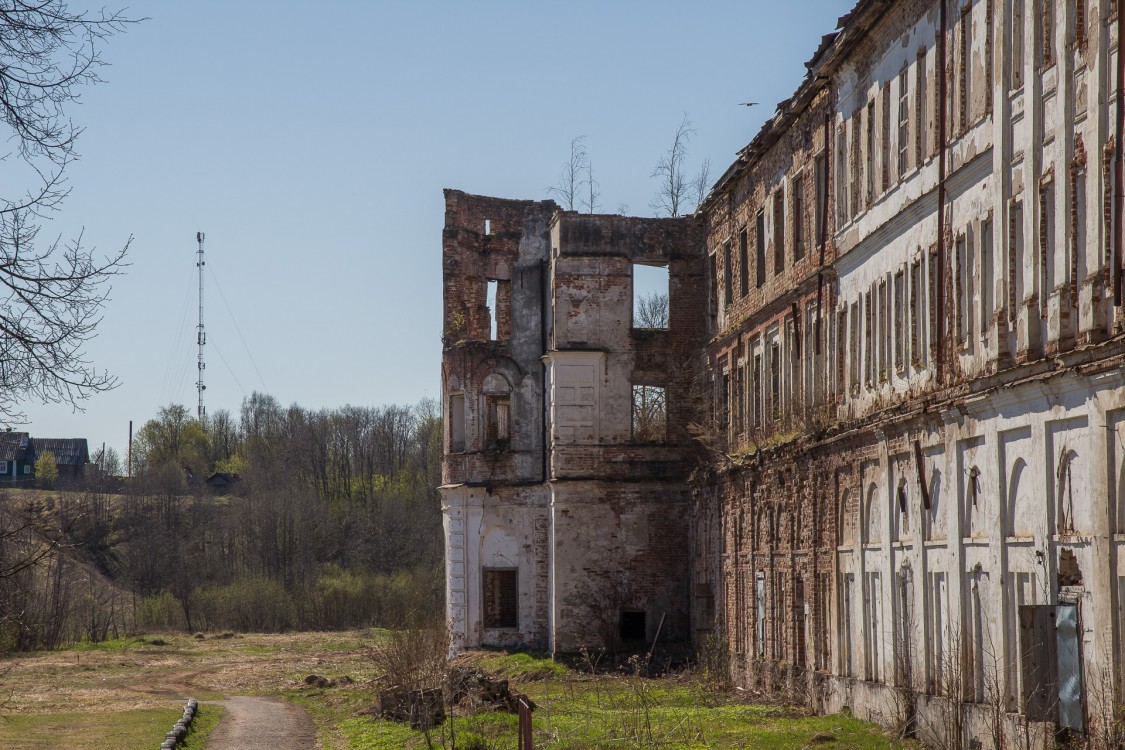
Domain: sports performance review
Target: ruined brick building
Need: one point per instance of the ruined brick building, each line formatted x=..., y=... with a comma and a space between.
x=888, y=454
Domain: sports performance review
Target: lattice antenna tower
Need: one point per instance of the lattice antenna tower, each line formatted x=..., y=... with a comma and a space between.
x=200, y=333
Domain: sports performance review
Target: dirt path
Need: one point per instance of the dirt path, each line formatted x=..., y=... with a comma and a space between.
x=251, y=723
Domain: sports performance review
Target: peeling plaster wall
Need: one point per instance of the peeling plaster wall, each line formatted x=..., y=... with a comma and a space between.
x=931, y=466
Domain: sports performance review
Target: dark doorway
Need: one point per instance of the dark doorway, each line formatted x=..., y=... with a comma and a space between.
x=632, y=626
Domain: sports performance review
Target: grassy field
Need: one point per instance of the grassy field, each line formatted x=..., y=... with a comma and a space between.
x=127, y=693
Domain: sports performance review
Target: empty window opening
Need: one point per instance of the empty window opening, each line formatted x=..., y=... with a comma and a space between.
x=1017, y=44
x=869, y=168
x=775, y=381
x=821, y=177
x=1047, y=32
x=760, y=278
x=490, y=302
x=743, y=264
x=899, y=320
x=798, y=219
x=756, y=392
x=457, y=423
x=501, y=598
x=1047, y=240
x=650, y=295
x=488, y=226
x=986, y=298
x=650, y=414
x=920, y=109
x=903, y=509
x=1075, y=267
x=1015, y=261
x=965, y=67
x=903, y=122
x=724, y=401
x=728, y=275
x=713, y=297
x=631, y=626
x=885, y=139
x=497, y=403
x=779, y=231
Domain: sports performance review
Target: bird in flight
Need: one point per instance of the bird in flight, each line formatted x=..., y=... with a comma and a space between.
x=746, y=104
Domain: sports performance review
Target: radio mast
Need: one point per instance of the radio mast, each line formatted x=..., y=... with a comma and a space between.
x=201, y=334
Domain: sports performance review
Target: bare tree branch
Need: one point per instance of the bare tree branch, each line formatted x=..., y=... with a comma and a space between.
x=568, y=191
x=672, y=194
x=51, y=296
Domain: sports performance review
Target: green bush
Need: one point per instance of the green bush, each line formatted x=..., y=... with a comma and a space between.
x=160, y=613
x=251, y=604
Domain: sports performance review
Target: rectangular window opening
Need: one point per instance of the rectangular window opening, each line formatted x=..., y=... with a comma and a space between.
x=986, y=275
x=743, y=264
x=651, y=295
x=903, y=123
x=501, y=598
x=779, y=231
x=899, y=320
x=490, y=302
x=798, y=220
x=457, y=423
x=821, y=177
x=760, y=228
x=650, y=414
x=728, y=275
x=498, y=427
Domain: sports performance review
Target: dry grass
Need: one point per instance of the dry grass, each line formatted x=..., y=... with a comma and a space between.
x=69, y=697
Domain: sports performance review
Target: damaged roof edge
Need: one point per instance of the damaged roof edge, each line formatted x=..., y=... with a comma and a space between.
x=833, y=48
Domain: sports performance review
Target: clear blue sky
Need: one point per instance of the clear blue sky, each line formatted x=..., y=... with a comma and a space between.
x=311, y=143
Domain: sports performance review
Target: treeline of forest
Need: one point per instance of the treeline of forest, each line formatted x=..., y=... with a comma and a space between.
x=334, y=522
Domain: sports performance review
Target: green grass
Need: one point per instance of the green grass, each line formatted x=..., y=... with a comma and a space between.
x=577, y=710
x=87, y=731
x=207, y=717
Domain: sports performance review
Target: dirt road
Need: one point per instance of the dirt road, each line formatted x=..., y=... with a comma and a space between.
x=251, y=723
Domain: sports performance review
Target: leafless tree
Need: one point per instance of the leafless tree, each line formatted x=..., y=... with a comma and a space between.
x=702, y=182
x=652, y=311
x=592, y=191
x=52, y=294
x=574, y=177
x=674, y=191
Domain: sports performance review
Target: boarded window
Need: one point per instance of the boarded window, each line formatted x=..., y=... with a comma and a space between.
x=650, y=414
x=501, y=598
x=456, y=418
